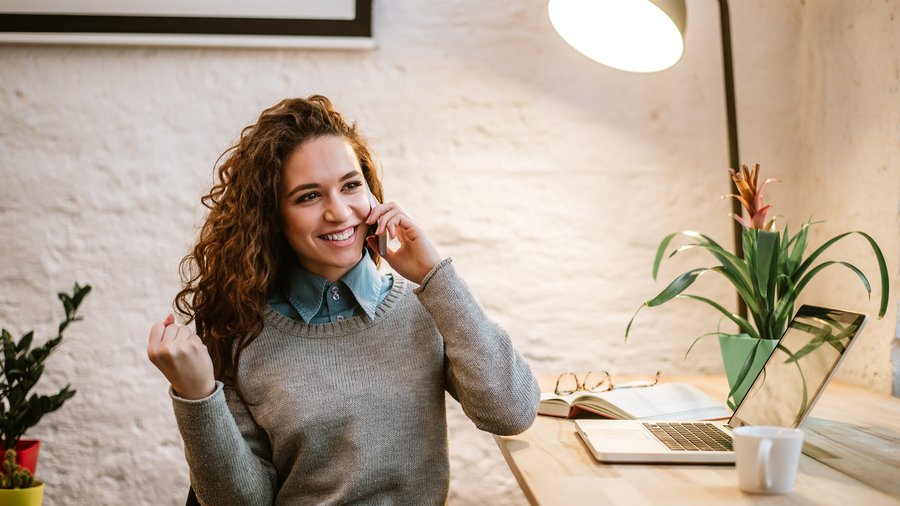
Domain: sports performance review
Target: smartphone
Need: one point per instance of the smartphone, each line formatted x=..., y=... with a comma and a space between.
x=382, y=239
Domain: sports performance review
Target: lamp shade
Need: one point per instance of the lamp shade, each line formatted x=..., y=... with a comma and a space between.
x=631, y=35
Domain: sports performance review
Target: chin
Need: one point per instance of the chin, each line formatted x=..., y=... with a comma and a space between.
x=346, y=259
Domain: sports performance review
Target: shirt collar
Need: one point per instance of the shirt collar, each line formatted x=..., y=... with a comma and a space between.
x=306, y=291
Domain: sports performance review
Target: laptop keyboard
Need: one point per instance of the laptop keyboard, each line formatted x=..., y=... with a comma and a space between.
x=687, y=436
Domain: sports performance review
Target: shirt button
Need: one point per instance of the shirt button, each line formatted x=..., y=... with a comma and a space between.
x=340, y=318
x=334, y=293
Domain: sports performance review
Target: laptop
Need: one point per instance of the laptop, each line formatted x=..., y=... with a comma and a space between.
x=783, y=393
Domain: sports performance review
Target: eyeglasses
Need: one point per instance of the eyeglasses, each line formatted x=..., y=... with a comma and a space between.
x=569, y=383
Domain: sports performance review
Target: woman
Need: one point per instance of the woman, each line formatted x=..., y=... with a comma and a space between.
x=313, y=379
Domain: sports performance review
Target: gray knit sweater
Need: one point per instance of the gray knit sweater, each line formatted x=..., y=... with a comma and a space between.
x=352, y=412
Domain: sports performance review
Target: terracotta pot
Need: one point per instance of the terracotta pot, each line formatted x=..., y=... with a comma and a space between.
x=27, y=454
x=736, y=349
x=31, y=496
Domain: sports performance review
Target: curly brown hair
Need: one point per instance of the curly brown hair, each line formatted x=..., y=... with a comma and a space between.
x=241, y=253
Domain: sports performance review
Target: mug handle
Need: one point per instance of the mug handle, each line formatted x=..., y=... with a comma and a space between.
x=762, y=464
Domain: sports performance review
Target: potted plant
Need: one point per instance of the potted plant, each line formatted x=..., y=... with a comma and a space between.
x=773, y=272
x=22, y=367
x=17, y=486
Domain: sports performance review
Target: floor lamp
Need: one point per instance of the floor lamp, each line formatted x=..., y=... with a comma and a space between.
x=646, y=36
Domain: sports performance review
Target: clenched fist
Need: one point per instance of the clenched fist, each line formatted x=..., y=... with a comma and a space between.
x=182, y=358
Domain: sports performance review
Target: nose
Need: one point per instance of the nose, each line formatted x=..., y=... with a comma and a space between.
x=340, y=209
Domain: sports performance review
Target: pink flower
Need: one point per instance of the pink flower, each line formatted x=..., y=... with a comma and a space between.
x=751, y=198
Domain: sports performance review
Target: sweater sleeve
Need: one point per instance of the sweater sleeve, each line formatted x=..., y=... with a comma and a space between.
x=228, y=454
x=485, y=373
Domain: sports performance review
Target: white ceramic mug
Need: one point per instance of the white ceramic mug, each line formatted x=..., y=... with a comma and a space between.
x=767, y=458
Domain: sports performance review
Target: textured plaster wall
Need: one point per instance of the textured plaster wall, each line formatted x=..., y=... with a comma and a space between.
x=548, y=178
x=849, y=172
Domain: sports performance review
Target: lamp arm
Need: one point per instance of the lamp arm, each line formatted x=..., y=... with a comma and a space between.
x=731, y=113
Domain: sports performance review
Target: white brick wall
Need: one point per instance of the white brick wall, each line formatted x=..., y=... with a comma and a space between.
x=549, y=179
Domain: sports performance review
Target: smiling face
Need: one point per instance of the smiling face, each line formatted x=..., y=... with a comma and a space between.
x=323, y=206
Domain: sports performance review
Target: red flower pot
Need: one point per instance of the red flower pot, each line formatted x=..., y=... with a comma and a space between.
x=27, y=454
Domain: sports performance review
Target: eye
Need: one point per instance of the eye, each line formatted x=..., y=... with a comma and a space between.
x=307, y=197
x=352, y=185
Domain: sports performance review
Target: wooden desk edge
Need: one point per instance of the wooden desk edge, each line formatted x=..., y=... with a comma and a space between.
x=523, y=485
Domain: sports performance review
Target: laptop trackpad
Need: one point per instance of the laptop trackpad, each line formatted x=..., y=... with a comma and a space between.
x=621, y=435
x=626, y=440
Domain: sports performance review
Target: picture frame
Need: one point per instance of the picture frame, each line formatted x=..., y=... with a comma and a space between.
x=343, y=24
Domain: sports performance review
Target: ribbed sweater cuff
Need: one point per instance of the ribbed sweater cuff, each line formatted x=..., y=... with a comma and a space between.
x=434, y=270
x=196, y=415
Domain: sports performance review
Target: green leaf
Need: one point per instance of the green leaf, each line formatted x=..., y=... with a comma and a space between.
x=784, y=310
x=25, y=342
x=67, y=303
x=799, y=248
x=678, y=285
x=806, y=279
x=732, y=267
x=691, y=347
x=815, y=254
x=744, y=291
x=748, y=239
x=628, y=327
x=742, y=375
x=882, y=270
x=704, y=237
x=728, y=260
x=741, y=322
x=79, y=293
x=660, y=251
x=766, y=249
x=684, y=248
x=882, y=266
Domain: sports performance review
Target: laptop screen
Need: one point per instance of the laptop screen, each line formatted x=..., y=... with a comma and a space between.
x=799, y=368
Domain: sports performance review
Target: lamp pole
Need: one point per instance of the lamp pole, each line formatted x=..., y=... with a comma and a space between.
x=731, y=113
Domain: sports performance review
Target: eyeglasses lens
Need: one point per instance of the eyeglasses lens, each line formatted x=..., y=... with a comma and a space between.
x=566, y=384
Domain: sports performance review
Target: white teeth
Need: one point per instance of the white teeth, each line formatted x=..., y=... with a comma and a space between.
x=346, y=234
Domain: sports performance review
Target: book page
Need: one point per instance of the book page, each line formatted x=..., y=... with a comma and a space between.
x=666, y=401
x=557, y=405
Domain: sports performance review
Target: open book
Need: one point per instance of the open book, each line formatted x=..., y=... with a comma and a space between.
x=664, y=401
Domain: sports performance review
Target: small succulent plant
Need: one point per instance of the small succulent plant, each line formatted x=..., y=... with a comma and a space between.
x=14, y=475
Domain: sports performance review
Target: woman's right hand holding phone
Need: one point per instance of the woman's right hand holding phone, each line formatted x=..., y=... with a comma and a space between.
x=416, y=256
x=182, y=358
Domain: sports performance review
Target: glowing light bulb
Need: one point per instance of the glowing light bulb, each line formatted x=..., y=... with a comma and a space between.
x=632, y=35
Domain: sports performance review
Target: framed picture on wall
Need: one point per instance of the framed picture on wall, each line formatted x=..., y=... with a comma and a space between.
x=237, y=23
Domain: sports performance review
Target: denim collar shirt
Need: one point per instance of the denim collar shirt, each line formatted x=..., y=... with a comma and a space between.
x=313, y=299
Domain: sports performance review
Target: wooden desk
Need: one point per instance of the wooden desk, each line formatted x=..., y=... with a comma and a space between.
x=851, y=457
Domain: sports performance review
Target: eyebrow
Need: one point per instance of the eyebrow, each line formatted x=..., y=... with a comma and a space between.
x=310, y=186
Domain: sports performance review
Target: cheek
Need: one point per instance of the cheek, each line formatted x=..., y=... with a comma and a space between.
x=296, y=222
x=361, y=209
